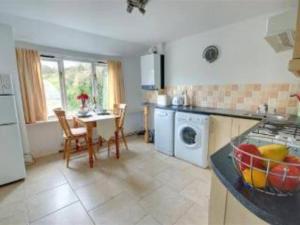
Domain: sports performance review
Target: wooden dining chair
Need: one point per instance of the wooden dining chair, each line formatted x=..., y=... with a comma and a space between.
x=120, y=109
x=70, y=134
x=107, y=129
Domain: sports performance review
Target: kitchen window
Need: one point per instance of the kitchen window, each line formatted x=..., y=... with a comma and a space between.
x=64, y=79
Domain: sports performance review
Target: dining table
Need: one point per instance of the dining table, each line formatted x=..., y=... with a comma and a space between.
x=90, y=122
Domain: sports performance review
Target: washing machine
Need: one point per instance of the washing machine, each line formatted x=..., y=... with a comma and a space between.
x=191, y=138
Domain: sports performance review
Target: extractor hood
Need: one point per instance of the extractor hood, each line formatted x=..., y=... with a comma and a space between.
x=294, y=65
x=281, y=30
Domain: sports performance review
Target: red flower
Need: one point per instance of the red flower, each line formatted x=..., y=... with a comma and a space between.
x=83, y=96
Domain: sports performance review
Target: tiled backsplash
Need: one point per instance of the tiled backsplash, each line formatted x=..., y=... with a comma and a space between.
x=236, y=96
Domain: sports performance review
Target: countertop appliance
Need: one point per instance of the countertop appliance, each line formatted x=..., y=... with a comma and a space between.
x=164, y=131
x=191, y=138
x=178, y=100
x=152, y=70
x=12, y=165
x=163, y=100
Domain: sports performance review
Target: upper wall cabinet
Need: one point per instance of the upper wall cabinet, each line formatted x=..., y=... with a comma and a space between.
x=152, y=69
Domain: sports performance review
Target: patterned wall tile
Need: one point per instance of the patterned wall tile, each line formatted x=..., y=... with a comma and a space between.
x=236, y=96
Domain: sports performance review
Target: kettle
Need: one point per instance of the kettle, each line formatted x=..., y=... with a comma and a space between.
x=177, y=100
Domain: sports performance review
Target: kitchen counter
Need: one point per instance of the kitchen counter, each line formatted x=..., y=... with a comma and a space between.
x=224, y=112
x=211, y=111
x=272, y=209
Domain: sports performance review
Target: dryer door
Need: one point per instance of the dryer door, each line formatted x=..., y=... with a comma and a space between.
x=190, y=136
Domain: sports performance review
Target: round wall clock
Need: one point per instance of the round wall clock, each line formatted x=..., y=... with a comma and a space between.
x=210, y=53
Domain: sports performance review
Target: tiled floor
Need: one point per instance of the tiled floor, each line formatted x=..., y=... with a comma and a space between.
x=144, y=187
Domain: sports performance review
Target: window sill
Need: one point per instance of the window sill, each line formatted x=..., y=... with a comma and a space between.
x=50, y=120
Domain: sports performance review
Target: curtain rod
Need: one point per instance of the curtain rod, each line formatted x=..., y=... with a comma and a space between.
x=53, y=57
x=48, y=56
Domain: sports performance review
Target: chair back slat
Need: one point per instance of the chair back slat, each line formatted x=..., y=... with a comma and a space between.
x=61, y=115
x=120, y=109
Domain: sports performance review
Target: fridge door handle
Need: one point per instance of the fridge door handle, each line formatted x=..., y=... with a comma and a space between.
x=6, y=124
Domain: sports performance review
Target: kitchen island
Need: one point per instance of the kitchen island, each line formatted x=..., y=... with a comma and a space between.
x=267, y=208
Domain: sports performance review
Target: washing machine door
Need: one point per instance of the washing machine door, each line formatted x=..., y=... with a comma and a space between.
x=190, y=136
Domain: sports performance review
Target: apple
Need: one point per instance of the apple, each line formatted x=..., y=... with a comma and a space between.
x=292, y=159
x=244, y=160
x=277, y=180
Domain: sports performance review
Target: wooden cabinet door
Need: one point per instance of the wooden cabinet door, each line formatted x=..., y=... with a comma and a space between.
x=224, y=209
x=239, y=126
x=237, y=214
x=217, y=202
x=220, y=132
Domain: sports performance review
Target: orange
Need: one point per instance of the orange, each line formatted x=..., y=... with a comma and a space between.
x=257, y=179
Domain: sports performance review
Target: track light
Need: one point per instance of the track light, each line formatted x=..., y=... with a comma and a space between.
x=143, y=11
x=129, y=8
x=139, y=4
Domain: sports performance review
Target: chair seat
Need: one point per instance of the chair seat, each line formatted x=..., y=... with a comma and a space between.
x=80, y=131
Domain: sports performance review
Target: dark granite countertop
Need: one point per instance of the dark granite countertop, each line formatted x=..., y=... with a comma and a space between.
x=292, y=119
x=211, y=111
x=274, y=210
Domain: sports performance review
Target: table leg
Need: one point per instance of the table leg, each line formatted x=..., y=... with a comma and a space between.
x=90, y=143
x=117, y=139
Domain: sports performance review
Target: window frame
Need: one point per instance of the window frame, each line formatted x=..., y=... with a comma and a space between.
x=61, y=70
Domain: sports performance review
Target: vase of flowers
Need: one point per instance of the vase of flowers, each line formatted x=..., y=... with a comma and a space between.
x=83, y=97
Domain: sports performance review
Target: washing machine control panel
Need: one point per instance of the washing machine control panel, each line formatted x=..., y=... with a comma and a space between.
x=191, y=118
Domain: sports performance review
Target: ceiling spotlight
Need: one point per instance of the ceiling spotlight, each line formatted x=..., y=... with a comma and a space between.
x=129, y=8
x=142, y=10
x=139, y=4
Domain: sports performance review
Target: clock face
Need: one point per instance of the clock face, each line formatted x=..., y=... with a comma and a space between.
x=210, y=53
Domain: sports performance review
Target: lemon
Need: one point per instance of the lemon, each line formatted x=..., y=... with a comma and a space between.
x=257, y=179
x=275, y=152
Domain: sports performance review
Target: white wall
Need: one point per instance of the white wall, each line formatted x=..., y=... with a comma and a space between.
x=245, y=57
x=8, y=66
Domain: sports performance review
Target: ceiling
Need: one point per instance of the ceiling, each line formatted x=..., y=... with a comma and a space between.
x=165, y=20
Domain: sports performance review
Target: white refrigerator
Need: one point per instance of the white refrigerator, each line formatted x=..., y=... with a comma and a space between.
x=12, y=165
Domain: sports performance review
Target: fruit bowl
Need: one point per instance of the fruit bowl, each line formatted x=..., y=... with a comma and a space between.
x=270, y=167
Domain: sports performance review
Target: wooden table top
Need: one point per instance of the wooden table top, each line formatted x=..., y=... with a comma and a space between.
x=95, y=118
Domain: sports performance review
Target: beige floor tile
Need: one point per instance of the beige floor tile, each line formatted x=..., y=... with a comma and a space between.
x=143, y=187
x=121, y=210
x=12, y=209
x=165, y=205
x=152, y=166
x=140, y=184
x=177, y=163
x=12, y=193
x=47, y=202
x=133, y=159
x=97, y=193
x=197, y=172
x=148, y=220
x=175, y=178
x=118, y=169
x=196, y=215
x=48, y=181
x=197, y=191
x=70, y=215
x=80, y=177
x=19, y=218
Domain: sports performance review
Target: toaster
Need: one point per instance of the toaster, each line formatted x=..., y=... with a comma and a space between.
x=177, y=100
x=163, y=100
